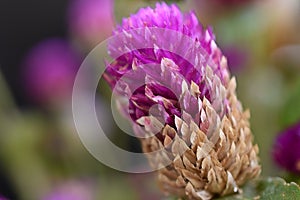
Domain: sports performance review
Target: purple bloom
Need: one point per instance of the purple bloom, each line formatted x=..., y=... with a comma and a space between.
x=167, y=17
x=286, y=152
x=91, y=21
x=181, y=99
x=49, y=71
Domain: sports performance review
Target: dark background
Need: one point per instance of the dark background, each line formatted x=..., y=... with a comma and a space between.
x=22, y=25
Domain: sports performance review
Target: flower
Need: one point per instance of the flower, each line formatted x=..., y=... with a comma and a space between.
x=286, y=149
x=182, y=100
x=90, y=21
x=49, y=71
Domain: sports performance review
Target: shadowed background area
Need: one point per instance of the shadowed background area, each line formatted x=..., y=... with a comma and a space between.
x=24, y=24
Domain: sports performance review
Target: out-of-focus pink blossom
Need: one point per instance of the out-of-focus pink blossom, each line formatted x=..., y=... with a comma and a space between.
x=49, y=71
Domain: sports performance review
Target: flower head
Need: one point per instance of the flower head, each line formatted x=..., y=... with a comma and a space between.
x=181, y=99
x=286, y=149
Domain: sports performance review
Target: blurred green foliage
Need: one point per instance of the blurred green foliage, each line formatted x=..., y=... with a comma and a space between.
x=290, y=113
x=266, y=189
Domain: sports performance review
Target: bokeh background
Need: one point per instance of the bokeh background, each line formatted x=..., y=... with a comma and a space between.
x=42, y=44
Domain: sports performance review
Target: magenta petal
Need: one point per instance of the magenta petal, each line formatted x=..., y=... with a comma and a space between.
x=150, y=73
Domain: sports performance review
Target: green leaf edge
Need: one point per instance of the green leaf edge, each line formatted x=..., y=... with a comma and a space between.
x=271, y=188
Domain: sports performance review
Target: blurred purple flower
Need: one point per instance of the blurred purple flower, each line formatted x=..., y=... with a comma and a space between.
x=91, y=21
x=2, y=198
x=73, y=190
x=237, y=58
x=286, y=149
x=49, y=71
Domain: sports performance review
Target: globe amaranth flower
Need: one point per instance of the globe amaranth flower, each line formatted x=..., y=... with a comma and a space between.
x=90, y=21
x=286, y=149
x=49, y=71
x=182, y=100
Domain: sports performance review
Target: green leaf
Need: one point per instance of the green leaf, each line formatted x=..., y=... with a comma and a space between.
x=267, y=189
x=291, y=110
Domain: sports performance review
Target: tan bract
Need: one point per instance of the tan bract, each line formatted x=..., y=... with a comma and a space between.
x=213, y=157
